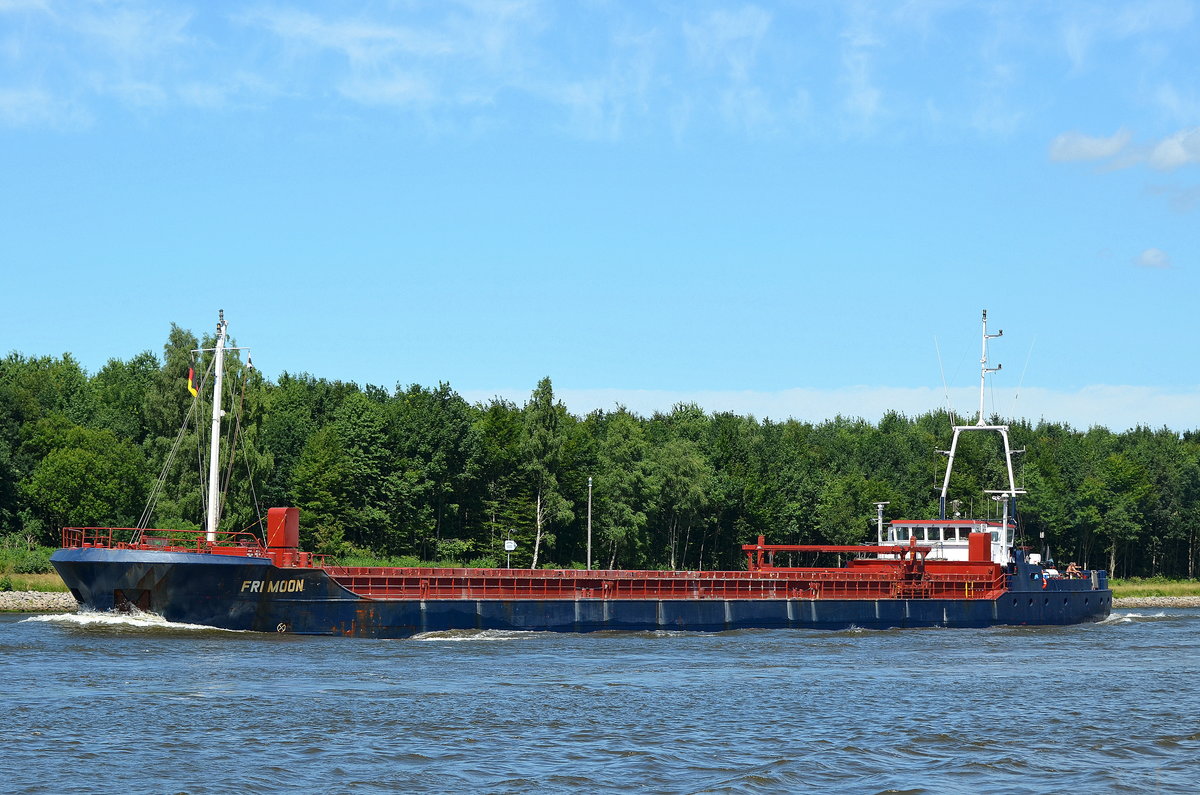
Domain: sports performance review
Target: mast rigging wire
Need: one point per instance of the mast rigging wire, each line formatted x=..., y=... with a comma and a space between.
x=1021, y=382
x=233, y=439
x=233, y=436
x=945, y=386
x=159, y=484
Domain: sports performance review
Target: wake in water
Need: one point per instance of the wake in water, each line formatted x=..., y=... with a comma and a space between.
x=134, y=619
x=476, y=634
x=1130, y=618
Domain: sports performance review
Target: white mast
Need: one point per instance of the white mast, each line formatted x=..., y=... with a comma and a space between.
x=1012, y=491
x=983, y=368
x=879, y=522
x=214, y=497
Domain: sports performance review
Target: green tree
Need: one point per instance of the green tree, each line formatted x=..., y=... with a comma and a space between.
x=320, y=492
x=844, y=512
x=683, y=478
x=83, y=477
x=119, y=393
x=360, y=429
x=432, y=434
x=544, y=433
x=624, y=488
x=506, y=502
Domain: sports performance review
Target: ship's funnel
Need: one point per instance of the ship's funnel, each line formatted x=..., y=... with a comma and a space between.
x=283, y=528
x=979, y=547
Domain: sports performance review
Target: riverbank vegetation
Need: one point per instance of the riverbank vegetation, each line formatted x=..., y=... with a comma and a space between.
x=418, y=473
x=1153, y=586
x=46, y=583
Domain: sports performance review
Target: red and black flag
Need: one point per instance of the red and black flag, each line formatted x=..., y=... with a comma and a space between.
x=191, y=381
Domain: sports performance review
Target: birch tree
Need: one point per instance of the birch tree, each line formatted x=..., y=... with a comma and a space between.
x=542, y=441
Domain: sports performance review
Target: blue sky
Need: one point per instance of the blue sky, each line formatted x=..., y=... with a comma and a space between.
x=783, y=209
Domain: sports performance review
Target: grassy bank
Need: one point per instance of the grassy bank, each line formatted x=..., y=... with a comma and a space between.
x=48, y=583
x=24, y=567
x=1153, y=586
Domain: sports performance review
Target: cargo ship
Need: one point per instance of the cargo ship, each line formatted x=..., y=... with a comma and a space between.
x=940, y=572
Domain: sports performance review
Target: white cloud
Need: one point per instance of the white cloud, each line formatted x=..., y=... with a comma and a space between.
x=36, y=108
x=132, y=34
x=1182, y=199
x=362, y=43
x=1153, y=258
x=395, y=89
x=1177, y=105
x=1149, y=15
x=1088, y=25
x=1111, y=406
x=724, y=49
x=137, y=93
x=863, y=96
x=749, y=108
x=993, y=116
x=1179, y=149
x=231, y=89
x=9, y=6
x=601, y=69
x=620, y=88
x=1077, y=39
x=1076, y=146
x=595, y=108
x=728, y=39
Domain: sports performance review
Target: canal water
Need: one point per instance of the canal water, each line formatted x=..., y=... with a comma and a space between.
x=106, y=704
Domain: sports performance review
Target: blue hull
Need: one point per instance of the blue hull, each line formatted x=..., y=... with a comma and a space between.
x=253, y=594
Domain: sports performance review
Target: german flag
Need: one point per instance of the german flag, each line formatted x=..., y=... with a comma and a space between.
x=191, y=382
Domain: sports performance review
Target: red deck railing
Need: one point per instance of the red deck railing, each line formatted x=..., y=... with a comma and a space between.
x=161, y=540
x=378, y=583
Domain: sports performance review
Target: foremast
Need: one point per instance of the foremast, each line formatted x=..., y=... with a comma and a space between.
x=213, y=514
x=1007, y=496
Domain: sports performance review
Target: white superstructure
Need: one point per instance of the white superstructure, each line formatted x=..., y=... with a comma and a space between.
x=948, y=537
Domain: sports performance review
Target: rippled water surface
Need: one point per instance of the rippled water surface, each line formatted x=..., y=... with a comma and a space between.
x=103, y=704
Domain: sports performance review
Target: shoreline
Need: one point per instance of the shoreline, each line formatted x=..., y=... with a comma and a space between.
x=1156, y=601
x=36, y=602
x=63, y=602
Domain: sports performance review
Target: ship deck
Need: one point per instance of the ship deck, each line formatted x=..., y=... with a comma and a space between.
x=865, y=582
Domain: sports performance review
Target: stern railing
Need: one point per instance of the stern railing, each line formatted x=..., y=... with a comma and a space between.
x=164, y=540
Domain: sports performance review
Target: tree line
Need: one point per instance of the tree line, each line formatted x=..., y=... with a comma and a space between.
x=418, y=472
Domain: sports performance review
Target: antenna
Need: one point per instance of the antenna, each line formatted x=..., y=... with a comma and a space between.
x=983, y=368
